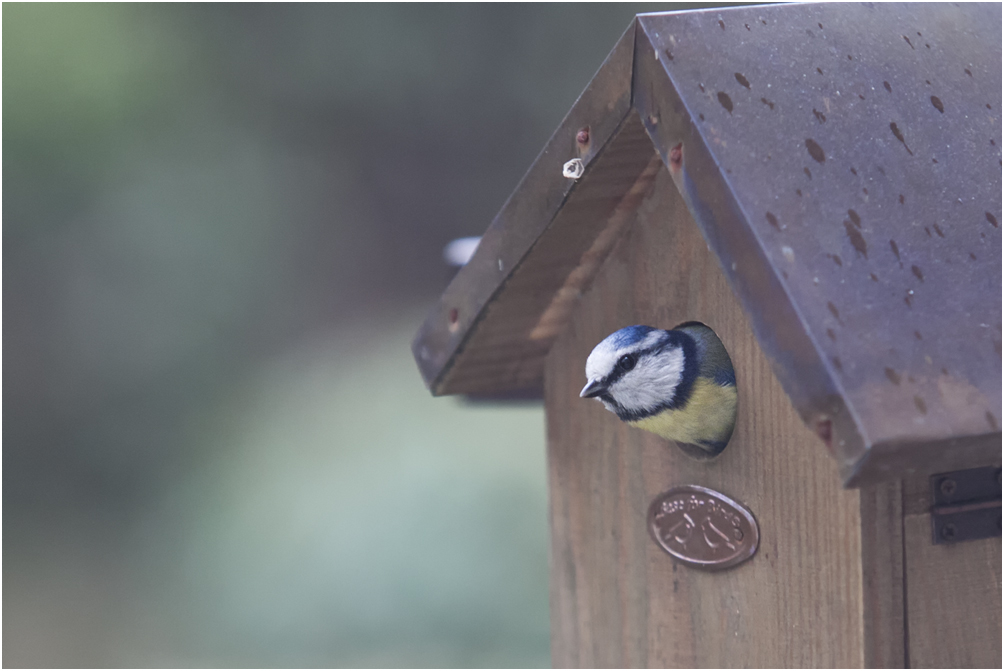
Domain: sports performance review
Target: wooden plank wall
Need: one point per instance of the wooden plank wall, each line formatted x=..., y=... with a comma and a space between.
x=953, y=599
x=620, y=601
x=882, y=600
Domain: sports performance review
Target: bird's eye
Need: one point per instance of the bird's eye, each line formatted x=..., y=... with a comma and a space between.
x=627, y=362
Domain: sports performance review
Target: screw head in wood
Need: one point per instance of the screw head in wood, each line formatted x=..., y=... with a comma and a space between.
x=676, y=156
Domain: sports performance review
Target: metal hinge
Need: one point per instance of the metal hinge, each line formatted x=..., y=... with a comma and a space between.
x=966, y=505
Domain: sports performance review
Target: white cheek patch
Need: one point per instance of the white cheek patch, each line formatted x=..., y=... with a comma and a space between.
x=652, y=382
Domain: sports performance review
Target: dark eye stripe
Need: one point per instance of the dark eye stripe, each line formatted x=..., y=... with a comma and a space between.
x=627, y=362
x=623, y=365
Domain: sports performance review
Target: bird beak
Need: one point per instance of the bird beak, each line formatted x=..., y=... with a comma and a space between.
x=593, y=389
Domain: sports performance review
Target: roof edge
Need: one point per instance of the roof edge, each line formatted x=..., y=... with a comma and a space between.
x=602, y=107
x=885, y=460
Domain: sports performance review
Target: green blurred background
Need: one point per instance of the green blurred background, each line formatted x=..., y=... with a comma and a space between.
x=222, y=225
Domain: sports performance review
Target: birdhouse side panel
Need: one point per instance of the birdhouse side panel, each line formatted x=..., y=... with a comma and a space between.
x=617, y=598
x=953, y=591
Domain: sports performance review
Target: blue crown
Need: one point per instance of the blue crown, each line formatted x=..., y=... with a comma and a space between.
x=629, y=335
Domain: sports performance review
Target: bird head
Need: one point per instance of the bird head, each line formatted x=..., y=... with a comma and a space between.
x=639, y=371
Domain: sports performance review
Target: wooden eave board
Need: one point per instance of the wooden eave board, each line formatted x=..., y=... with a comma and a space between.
x=456, y=350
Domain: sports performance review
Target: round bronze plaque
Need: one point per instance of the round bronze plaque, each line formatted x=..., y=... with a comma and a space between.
x=703, y=528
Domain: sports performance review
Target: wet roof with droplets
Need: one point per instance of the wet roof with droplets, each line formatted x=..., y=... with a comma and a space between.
x=861, y=146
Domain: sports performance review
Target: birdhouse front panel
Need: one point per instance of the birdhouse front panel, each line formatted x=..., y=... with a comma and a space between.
x=620, y=600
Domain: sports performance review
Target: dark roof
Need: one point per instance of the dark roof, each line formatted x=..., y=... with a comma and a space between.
x=838, y=159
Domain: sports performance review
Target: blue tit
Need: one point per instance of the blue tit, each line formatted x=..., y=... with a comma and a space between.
x=678, y=384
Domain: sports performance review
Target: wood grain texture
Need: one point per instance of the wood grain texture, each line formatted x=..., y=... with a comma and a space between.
x=505, y=350
x=617, y=599
x=882, y=604
x=953, y=600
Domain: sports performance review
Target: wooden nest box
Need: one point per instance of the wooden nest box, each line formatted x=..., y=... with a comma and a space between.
x=816, y=183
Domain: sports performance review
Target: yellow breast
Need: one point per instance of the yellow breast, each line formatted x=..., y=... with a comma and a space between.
x=708, y=417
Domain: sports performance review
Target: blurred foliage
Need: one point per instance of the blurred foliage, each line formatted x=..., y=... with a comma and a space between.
x=222, y=225
x=397, y=529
